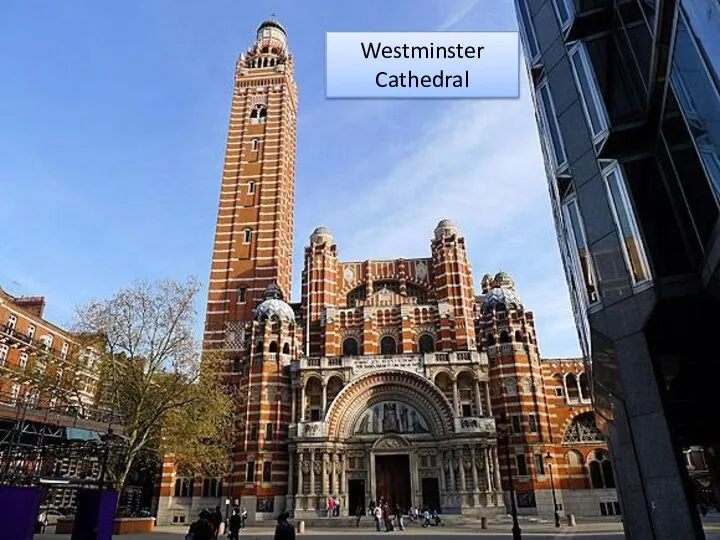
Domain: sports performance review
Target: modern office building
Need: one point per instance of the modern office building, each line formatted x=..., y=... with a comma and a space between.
x=628, y=109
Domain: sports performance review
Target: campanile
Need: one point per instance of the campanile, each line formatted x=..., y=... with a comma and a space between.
x=254, y=231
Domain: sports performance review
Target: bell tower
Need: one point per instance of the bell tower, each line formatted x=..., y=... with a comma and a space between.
x=254, y=231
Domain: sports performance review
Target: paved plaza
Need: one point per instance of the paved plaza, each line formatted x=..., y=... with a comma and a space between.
x=536, y=531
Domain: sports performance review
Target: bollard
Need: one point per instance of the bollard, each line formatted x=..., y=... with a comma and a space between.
x=571, y=520
x=483, y=523
x=301, y=527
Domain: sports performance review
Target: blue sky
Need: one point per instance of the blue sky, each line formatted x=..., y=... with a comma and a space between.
x=114, y=116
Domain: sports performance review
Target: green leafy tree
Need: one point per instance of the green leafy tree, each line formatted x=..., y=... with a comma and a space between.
x=165, y=398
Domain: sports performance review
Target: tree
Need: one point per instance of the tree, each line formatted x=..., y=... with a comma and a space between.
x=152, y=377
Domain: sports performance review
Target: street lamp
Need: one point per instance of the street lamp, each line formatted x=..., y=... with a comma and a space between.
x=548, y=458
x=504, y=431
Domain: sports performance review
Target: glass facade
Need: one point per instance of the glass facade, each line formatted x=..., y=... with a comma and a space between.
x=593, y=104
x=582, y=253
x=551, y=133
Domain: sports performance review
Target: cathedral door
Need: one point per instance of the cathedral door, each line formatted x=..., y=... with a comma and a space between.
x=392, y=476
x=430, y=493
x=356, y=496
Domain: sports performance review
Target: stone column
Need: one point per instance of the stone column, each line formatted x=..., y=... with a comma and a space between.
x=293, y=406
x=456, y=398
x=414, y=478
x=324, y=478
x=291, y=480
x=324, y=400
x=463, y=484
x=313, y=498
x=488, y=478
x=478, y=400
x=343, y=475
x=441, y=471
x=473, y=461
x=300, y=472
x=498, y=481
x=488, y=405
x=334, y=465
x=303, y=402
x=453, y=484
x=373, y=494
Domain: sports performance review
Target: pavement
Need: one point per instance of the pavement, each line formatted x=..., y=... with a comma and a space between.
x=605, y=530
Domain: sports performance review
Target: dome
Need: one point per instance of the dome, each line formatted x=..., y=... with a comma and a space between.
x=274, y=307
x=502, y=279
x=445, y=228
x=501, y=297
x=486, y=278
x=271, y=23
x=320, y=235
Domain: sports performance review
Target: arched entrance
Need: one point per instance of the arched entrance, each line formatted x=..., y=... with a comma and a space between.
x=391, y=456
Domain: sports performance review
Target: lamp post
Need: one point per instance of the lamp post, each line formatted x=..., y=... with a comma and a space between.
x=548, y=458
x=504, y=433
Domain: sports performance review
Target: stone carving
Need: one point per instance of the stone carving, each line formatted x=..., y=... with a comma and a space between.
x=390, y=443
x=311, y=430
x=421, y=270
x=385, y=295
x=317, y=467
x=467, y=463
x=305, y=466
x=391, y=417
x=349, y=274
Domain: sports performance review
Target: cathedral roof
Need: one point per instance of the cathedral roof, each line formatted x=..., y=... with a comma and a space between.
x=500, y=297
x=321, y=234
x=272, y=23
x=445, y=227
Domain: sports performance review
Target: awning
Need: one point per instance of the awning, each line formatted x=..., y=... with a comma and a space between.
x=76, y=434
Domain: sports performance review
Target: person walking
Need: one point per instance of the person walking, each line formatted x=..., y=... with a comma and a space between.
x=426, y=518
x=202, y=528
x=284, y=529
x=243, y=517
x=234, y=526
x=358, y=515
x=399, y=517
x=378, y=517
x=217, y=521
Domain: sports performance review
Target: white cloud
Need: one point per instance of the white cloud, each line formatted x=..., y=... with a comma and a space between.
x=461, y=10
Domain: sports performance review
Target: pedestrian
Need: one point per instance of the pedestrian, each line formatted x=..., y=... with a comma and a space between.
x=243, y=517
x=217, y=521
x=337, y=507
x=284, y=529
x=202, y=529
x=426, y=518
x=399, y=517
x=234, y=526
x=358, y=515
x=378, y=517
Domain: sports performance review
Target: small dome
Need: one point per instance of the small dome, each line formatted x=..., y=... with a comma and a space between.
x=501, y=298
x=274, y=308
x=501, y=279
x=446, y=228
x=320, y=235
x=271, y=23
x=486, y=278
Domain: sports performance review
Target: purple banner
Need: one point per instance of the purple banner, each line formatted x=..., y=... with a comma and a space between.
x=95, y=515
x=19, y=511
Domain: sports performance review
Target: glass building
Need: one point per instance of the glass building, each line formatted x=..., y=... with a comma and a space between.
x=628, y=110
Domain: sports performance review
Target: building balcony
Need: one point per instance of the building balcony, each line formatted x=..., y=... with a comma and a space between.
x=411, y=362
x=475, y=424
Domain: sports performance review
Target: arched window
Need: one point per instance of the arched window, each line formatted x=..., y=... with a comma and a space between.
x=350, y=347
x=334, y=385
x=259, y=347
x=388, y=345
x=571, y=388
x=444, y=383
x=426, y=344
x=583, y=430
x=258, y=114
x=273, y=347
x=584, y=386
x=313, y=400
x=601, y=473
x=504, y=337
x=518, y=336
x=574, y=458
x=286, y=348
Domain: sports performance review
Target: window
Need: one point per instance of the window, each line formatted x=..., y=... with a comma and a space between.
x=584, y=387
x=258, y=115
x=426, y=344
x=212, y=487
x=467, y=409
x=269, y=431
x=255, y=144
x=267, y=472
x=251, y=187
x=12, y=321
x=46, y=341
x=583, y=429
x=246, y=236
x=559, y=391
x=592, y=101
x=241, y=295
x=388, y=345
x=314, y=415
x=528, y=31
x=40, y=367
x=183, y=487
x=254, y=432
x=539, y=465
x=31, y=331
x=23, y=360
x=627, y=229
x=64, y=351
x=14, y=393
x=3, y=354
x=583, y=261
x=516, y=426
x=551, y=129
x=564, y=11
x=532, y=423
x=521, y=465
x=250, y=472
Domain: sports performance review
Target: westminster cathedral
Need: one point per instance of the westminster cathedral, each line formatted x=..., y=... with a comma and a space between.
x=408, y=380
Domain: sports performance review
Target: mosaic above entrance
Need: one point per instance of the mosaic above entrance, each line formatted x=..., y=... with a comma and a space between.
x=391, y=417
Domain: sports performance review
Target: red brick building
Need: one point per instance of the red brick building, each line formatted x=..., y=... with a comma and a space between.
x=388, y=377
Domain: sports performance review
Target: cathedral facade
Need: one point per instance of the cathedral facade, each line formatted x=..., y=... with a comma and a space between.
x=396, y=379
